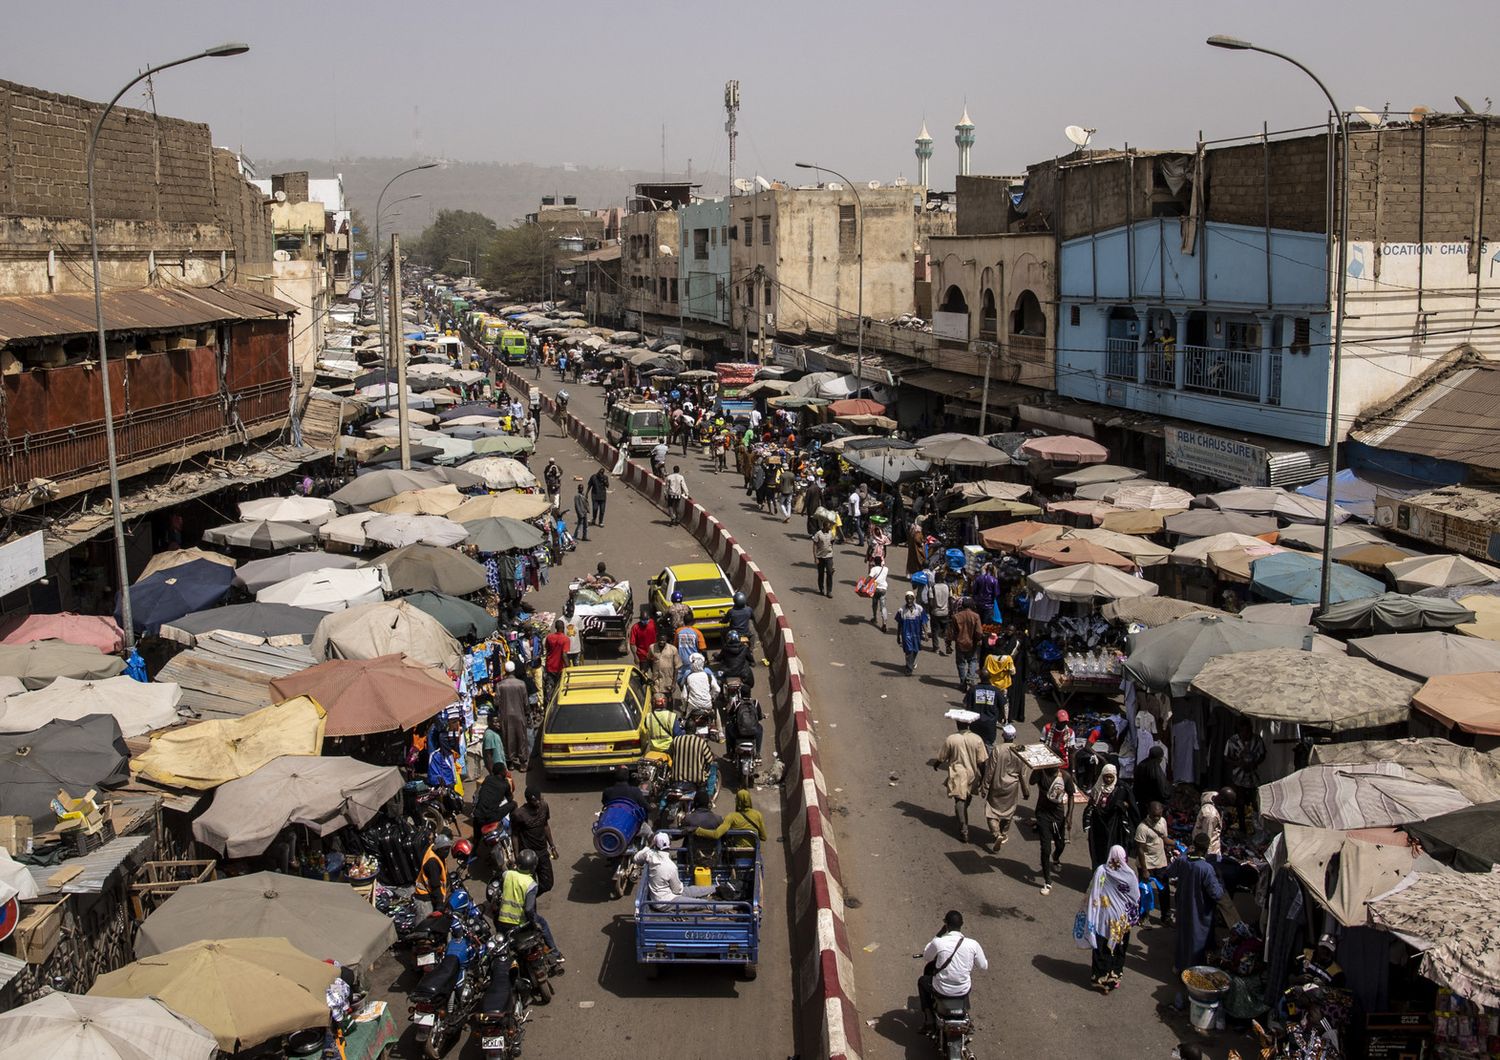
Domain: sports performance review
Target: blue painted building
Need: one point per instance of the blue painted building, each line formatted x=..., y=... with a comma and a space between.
x=703, y=264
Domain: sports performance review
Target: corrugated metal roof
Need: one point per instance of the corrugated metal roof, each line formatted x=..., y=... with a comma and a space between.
x=147, y=309
x=99, y=868
x=10, y=967
x=1450, y=418
x=967, y=387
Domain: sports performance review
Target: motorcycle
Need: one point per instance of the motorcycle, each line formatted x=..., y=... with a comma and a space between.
x=496, y=839
x=955, y=1030
x=534, y=961
x=444, y=999
x=700, y=720
x=679, y=801
x=619, y=832
x=743, y=754
x=499, y=1020
x=429, y=940
x=438, y=808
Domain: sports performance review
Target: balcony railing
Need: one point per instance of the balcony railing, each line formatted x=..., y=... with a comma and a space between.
x=1229, y=373
x=1119, y=358
x=1161, y=366
x=1028, y=347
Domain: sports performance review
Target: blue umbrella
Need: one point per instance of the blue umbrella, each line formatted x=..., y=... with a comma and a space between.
x=169, y=594
x=1296, y=578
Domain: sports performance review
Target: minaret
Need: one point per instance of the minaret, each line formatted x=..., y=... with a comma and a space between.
x=924, y=154
x=965, y=141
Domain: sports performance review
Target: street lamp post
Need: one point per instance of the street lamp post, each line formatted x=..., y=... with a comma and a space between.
x=859, y=349
x=385, y=349
x=1234, y=44
x=216, y=52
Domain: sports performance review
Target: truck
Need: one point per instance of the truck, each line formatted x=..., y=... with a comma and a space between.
x=723, y=928
x=512, y=348
x=636, y=426
x=733, y=378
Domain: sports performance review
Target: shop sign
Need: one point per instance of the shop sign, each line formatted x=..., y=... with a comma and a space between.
x=1215, y=456
x=22, y=562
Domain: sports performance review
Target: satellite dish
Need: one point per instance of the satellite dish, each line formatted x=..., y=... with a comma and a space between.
x=1463, y=105
x=762, y=183
x=899, y=182
x=1368, y=116
x=834, y=185
x=874, y=185
x=281, y=255
x=1419, y=113
x=280, y=196
x=1079, y=135
x=743, y=185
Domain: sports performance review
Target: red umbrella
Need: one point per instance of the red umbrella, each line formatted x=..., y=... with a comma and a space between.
x=96, y=631
x=856, y=407
x=365, y=696
x=1066, y=449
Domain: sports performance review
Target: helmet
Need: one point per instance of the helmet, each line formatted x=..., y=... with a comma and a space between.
x=739, y=599
x=677, y=598
x=463, y=850
x=460, y=902
x=732, y=637
x=526, y=861
x=442, y=841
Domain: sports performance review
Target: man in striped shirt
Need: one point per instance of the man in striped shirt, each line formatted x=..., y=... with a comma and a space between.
x=693, y=762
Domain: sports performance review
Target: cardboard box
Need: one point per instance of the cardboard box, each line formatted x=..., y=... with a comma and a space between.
x=39, y=932
x=16, y=834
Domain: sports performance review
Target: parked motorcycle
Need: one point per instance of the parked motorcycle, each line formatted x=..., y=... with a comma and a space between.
x=444, y=999
x=496, y=839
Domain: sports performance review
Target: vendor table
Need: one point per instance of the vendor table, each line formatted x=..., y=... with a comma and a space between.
x=373, y=1034
x=1065, y=687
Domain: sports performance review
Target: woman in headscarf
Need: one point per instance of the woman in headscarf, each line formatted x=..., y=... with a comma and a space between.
x=1111, y=907
x=1110, y=817
x=745, y=818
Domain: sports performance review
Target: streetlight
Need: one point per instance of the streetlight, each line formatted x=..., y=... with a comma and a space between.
x=216, y=52
x=1235, y=44
x=385, y=350
x=859, y=353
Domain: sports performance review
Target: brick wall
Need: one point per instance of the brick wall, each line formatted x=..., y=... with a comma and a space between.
x=1235, y=179
x=1422, y=183
x=292, y=185
x=1110, y=182
x=983, y=205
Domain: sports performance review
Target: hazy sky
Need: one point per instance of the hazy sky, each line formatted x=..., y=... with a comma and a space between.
x=846, y=84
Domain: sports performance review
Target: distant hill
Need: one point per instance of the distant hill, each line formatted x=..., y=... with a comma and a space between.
x=503, y=191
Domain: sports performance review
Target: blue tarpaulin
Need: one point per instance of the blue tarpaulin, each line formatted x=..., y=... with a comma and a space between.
x=1296, y=578
x=169, y=594
x=1355, y=490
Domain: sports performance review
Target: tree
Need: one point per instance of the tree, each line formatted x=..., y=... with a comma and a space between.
x=455, y=236
x=362, y=242
x=520, y=260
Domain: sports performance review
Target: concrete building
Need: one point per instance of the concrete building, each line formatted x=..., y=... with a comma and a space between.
x=704, y=265
x=794, y=255
x=650, y=241
x=1196, y=286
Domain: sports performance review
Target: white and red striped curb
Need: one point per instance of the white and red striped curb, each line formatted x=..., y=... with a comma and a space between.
x=825, y=973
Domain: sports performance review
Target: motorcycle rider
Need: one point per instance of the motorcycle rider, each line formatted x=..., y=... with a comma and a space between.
x=431, y=888
x=735, y=660
x=679, y=614
x=700, y=687
x=627, y=790
x=741, y=619
x=744, y=723
x=661, y=724
x=494, y=801
x=518, y=894
x=951, y=959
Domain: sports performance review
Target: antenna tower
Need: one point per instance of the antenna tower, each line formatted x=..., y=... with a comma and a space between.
x=731, y=110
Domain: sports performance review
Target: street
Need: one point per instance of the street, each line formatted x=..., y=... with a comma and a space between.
x=902, y=862
x=605, y=1006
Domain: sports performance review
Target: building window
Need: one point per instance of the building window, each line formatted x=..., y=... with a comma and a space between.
x=1074, y=316
x=1301, y=335
x=748, y=231
x=724, y=235
x=1028, y=318
x=672, y=291
x=661, y=288
x=765, y=230
x=700, y=244
x=847, y=234
x=989, y=321
x=718, y=290
x=766, y=300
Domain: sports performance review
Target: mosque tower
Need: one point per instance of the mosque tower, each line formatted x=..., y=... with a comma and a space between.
x=965, y=142
x=924, y=154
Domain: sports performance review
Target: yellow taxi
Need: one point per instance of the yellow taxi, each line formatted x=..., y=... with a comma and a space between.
x=704, y=588
x=596, y=720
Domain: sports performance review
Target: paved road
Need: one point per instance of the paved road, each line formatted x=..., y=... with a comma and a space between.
x=902, y=862
x=604, y=1006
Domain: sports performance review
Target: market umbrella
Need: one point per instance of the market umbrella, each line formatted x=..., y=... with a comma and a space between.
x=1310, y=538
x=175, y=592
x=259, y=573
x=60, y=1026
x=38, y=663
x=95, y=631
x=1096, y=473
x=474, y=434
x=501, y=506
x=260, y=534
x=1453, y=916
x=245, y=991
x=766, y=386
x=1239, y=562
x=256, y=622
x=982, y=488
x=72, y=755
x=1342, y=870
x=390, y=627
x=1372, y=556
x=464, y=620
x=1470, y=702
x=997, y=506
x=874, y=443
x=435, y=500
x=1369, y=796
x=322, y=919
x=321, y=793
x=473, y=408
x=1428, y=654
x=1096, y=509
x=1486, y=621
x=1065, y=449
x=1296, y=577
x=857, y=407
x=502, y=535
x=1279, y=614
x=138, y=707
x=501, y=473
x=209, y=753
x=1195, y=552
x=1089, y=581
x=1065, y=551
x=888, y=466
x=963, y=451
x=386, y=482
x=1332, y=692
x=393, y=454
x=864, y=423
x=1462, y=768
x=1428, y=572
x=328, y=590
x=1167, y=658
x=501, y=445
x=450, y=450
x=1392, y=612
x=365, y=696
x=1013, y=536
x=1137, y=523
x=1139, y=551
x=471, y=421
x=1153, y=611
x=176, y=556
x=1460, y=592
x=347, y=530
x=416, y=567
x=396, y=531
x=1468, y=838
x=309, y=510
x=1132, y=497
x=1273, y=500
x=1098, y=491
x=1208, y=522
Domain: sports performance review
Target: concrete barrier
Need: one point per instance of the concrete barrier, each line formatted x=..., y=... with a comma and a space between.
x=824, y=976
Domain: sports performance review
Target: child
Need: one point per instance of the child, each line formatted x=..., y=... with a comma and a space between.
x=575, y=644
